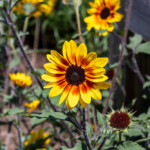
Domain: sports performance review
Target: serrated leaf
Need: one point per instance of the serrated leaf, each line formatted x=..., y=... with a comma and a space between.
x=143, y=48
x=134, y=41
x=130, y=146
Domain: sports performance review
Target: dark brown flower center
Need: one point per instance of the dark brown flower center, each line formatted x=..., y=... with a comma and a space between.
x=119, y=120
x=105, y=13
x=75, y=75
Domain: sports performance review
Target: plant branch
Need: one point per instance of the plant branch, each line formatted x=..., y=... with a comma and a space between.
x=121, y=55
x=85, y=131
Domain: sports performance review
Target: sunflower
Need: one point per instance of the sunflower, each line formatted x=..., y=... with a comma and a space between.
x=120, y=120
x=102, y=15
x=20, y=79
x=76, y=74
x=37, y=141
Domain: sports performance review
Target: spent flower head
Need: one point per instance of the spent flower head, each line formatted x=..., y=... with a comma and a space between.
x=120, y=120
x=103, y=15
x=76, y=75
x=20, y=79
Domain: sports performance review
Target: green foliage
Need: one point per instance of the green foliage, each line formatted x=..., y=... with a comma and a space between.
x=129, y=146
x=143, y=48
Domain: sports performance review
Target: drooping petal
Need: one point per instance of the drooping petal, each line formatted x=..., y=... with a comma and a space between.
x=67, y=104
x=81, y=53
x=73, y=96
x=58, y=89
x=65, y=94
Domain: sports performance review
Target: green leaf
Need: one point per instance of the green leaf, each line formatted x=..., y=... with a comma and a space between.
x=130, y=146
x=101, y=119
x=146, y=84
x=143, y=48
x=14, y=111
x=78, y=146
x=38, y=91
x=36, y=120
x=14, y=62
x=134, y=41
x=134, y=132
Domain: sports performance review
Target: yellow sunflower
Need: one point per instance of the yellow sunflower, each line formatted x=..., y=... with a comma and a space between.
x=20, y=79
x=76, y=74
x=103, y=14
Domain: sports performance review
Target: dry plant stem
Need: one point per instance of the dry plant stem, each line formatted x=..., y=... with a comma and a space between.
x=79, y=24
x=121, y=55
x=137, y=70
x=85, y=131
x=102, y=143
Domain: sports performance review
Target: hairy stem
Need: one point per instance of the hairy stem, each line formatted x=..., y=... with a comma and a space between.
x=85, y=131
x=121, y=55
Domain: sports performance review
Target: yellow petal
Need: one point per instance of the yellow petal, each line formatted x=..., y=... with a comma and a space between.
x=101, y=62
x=84, y=92
x=67, y=104
x=89, y=60
x=73, y=96
x=102, y=85
x=58, y=89
x=96, y=94
x=81, y=53
x=50, y=84
x=102, y=78
x=51, y=78
x=65, y=94
x=115, y=18
x=82, y=102
x=59, y=59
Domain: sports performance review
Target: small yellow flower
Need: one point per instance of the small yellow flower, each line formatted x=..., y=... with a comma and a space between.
x=120, y=120
x=33, y=105
x=20, y=79
x=40, y=7
x=38, y=140
x=102, y=15
x=76, y=74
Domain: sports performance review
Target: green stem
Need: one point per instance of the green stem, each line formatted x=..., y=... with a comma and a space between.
x=78, y=23
x=25, y=26
x=142, y=140
x=120, y=136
